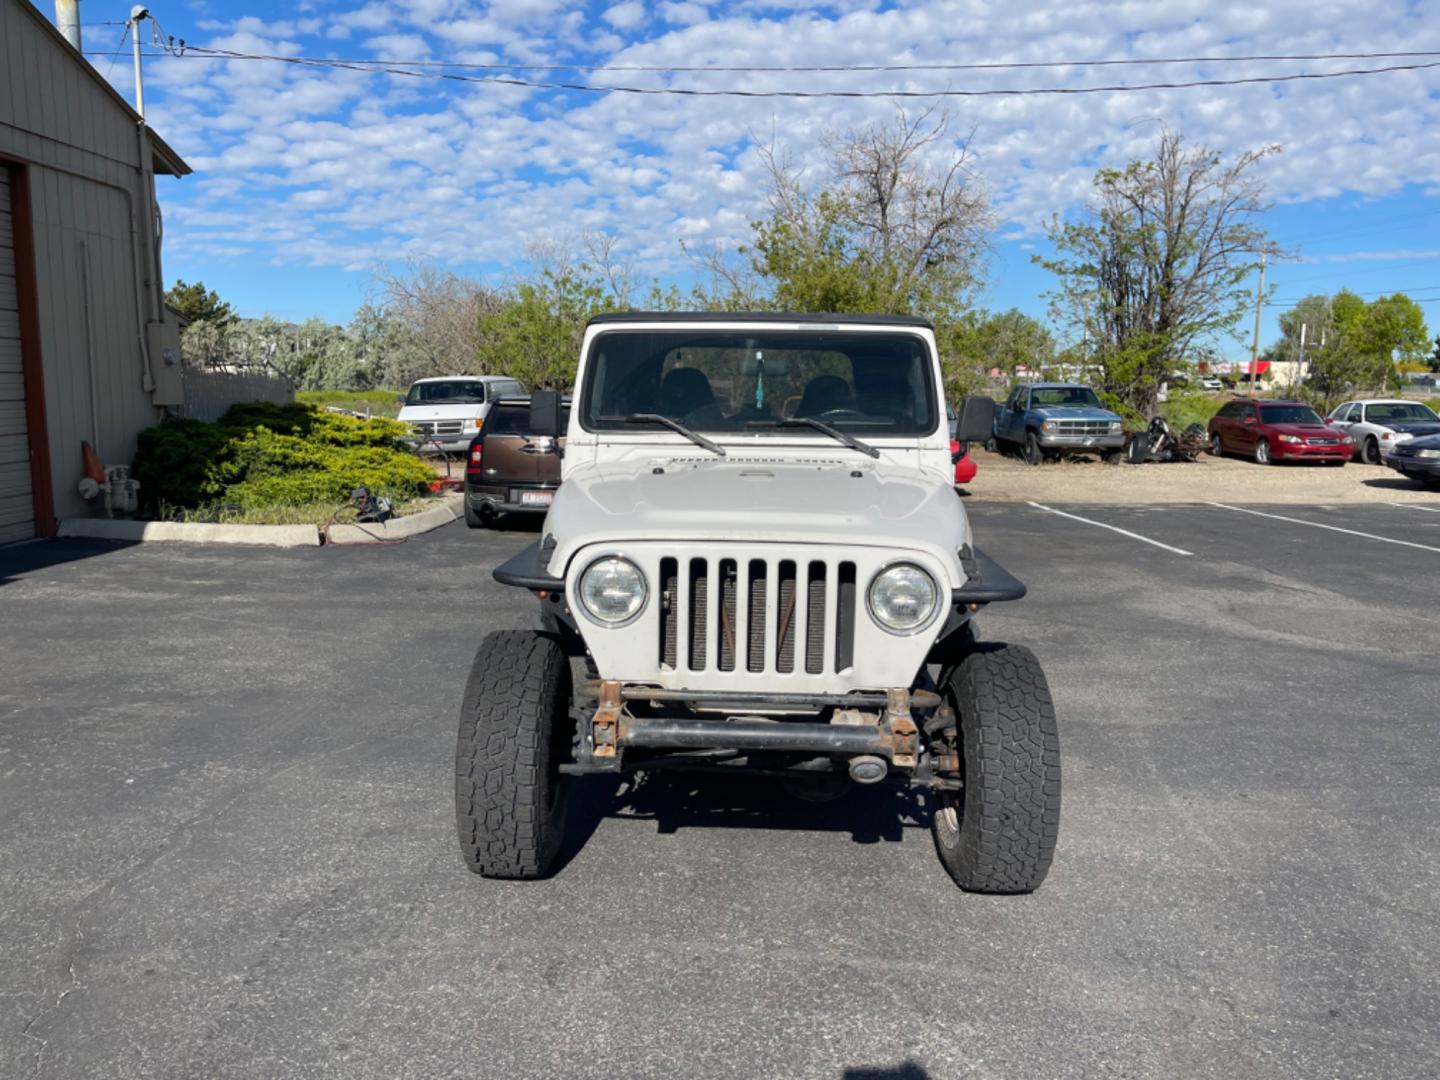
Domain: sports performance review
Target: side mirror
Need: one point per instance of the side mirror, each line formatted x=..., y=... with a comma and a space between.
x=545, y=413
x=977, y=419
x=399, y=399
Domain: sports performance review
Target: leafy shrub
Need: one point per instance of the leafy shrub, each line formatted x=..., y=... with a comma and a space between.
x=261, y=454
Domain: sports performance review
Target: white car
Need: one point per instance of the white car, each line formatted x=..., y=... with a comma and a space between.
x=1209, y=382
x=445, y=413
x=1378, y=425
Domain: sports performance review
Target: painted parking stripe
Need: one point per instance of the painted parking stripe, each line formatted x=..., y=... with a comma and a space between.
x=1413, y=506
x=1332, y=528
x=1112, y=528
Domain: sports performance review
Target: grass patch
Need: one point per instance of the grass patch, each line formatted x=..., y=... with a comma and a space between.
x=260, y=458
x=378, y=402
x=1189, y=407
x=315, y=513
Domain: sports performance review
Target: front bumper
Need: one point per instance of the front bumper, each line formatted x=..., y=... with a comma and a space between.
x=1301, y=452
x=1082, y=443
x=1415, y=468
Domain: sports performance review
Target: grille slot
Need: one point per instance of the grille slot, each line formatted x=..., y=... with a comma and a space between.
x=669, y=612
x=845, y=617
x=755, y=624
x=699, y=597
x=815, y=620
x=726, y=630
x=785, y=618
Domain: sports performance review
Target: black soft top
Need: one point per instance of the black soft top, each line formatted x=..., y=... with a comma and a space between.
x=813, y=318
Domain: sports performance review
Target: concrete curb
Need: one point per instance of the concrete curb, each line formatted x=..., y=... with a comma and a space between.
x=190, y=532
x=399, y=528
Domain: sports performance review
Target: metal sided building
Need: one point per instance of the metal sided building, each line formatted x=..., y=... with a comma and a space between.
x=87, y=351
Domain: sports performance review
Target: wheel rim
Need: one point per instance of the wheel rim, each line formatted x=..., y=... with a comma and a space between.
x=947, y=819
x=1372, y=452
x=1262, y=453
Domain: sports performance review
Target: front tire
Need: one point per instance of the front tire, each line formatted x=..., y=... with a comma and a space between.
x=1370, y=451
x=997, y=835
x=515, y=732
x=1217, y=448
x=1262, y=453
x=1033, y=452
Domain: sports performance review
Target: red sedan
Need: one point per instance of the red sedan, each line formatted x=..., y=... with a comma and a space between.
x=1272, y=431
x=964, y=468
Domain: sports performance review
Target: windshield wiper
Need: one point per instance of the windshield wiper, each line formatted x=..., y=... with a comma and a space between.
x=676, y=426
x=821, y=426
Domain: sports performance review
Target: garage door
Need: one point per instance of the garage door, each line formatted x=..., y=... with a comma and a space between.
x=17, y=509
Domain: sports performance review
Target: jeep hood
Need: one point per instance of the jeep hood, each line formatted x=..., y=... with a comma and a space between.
x=757, y=502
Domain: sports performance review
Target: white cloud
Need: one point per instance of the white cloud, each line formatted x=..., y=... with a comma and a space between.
x=625, y=16
x=685, y=13
x=360, y=167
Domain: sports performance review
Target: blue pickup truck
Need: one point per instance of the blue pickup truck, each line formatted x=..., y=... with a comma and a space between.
x=1047, y=419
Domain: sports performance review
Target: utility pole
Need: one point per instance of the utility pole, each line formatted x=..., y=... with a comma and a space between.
x=137, y=15
x=1255, y=342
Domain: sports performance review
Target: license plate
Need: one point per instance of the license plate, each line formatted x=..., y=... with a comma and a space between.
x=536, y=498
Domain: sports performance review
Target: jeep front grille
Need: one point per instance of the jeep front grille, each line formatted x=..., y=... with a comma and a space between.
x=765, y=606
x=754, y=616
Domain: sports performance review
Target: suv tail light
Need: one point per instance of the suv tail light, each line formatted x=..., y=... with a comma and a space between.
x=475, y=454
x=472, y=463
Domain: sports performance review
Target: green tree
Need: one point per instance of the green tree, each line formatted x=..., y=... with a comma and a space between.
x=886, y=232
x=534, y=334
x=195, y=304
x=1362, y=343
x=1159, y=262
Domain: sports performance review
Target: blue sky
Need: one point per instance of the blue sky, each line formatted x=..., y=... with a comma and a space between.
x=309, y=178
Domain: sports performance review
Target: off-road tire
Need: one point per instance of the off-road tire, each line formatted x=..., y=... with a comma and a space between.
x=1370, y=451
x=1262, y=453
x=998, y=834
x=514, y=733
x=474, y=518
x=1032, y=451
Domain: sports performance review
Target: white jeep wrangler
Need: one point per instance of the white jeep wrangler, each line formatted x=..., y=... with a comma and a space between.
x=757, y=561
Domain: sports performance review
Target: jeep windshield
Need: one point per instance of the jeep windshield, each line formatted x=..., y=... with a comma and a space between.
x=1066, y=396
x=869, y=384
x=447, y=392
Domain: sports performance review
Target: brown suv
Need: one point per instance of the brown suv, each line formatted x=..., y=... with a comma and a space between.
x=507, y=470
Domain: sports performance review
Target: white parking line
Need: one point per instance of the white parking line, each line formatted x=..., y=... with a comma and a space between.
x=1413, y=506
x=1112, y=528
x=1332, y=528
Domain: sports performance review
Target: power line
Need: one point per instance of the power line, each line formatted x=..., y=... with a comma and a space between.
x=825, y=68
x=374, y=67
x=1292, y=301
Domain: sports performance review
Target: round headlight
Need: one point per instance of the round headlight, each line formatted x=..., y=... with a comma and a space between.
x=903, y=598
x=612, y=590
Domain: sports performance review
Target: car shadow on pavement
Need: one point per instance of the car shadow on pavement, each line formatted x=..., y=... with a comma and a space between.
x=675, y=801
x=906, y=1070
x=27, y=557
x=1393, y=483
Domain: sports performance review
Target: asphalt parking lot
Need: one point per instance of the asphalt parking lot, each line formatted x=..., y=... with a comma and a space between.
x=225, y=785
